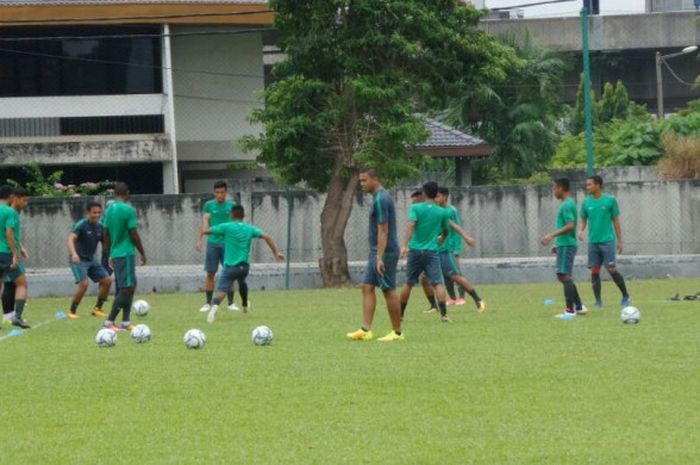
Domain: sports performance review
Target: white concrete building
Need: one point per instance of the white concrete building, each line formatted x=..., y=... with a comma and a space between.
x=151, y=92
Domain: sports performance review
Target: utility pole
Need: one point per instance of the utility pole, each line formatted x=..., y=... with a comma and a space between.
x=588, y=104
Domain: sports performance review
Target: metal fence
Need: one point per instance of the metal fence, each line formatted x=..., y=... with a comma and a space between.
x=657, y=218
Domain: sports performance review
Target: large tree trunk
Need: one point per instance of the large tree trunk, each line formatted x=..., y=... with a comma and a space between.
x=334, y=218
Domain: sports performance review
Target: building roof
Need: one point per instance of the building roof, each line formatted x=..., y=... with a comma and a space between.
x=448, y=142
x=86, y=12
x=107, y=2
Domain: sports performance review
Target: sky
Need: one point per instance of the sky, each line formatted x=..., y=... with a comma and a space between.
x=571, y=8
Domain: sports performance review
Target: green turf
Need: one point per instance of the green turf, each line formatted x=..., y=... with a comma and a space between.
x=511, y=386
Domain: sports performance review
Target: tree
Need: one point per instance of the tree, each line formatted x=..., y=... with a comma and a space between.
x=519, y=119
x=356, y=74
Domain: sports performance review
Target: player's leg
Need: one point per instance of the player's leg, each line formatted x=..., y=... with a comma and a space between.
x=429, y=294
x=370, y=279
x=450, y=288
x=433, y=270
x=228, y=275
x=465, y=284
x=610, y=261
x=81, y=282
x=125, y=281
x=565, y=267
x=98, y=274
x=393, y=304
x=243, y=290
x=595, y=261
x=20, y=281
x=447, y=272
x=413, y=272
x=212, y=258
x=8, y=301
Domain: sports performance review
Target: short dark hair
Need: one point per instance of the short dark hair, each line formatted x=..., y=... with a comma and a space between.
x=444, y=191
x=596, y=179
x=121, y=189
x=220, y=185
x=20, y=191
x=372, y=172
x=91, y=205
x=563, y=183
x=430, y=189
x=415, y=194
x=6, y=191
x=238, y=211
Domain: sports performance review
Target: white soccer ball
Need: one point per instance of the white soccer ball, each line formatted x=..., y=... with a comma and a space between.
x=630, y=315
x=106, y=338
x=141, y=334
x=140, y=308
x=195, y=339
x=261, y=336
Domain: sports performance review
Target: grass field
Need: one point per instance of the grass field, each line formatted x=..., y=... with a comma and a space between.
x=511, y=386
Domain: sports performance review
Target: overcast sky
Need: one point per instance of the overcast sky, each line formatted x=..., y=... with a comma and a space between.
x=571, y=8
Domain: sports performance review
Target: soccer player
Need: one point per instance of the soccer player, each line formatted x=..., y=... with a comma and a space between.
x=7, y=239
x=427, y=225
x=383, y=259
x=238, y=237
x=82, y=245
x=450, y=268
x=601, y=214
x=14, y=295
x=121, y=240
x=216, y=212
x=566, y=246
x=419, y=197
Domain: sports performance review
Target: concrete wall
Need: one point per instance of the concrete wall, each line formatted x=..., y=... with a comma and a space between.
x=657, y=218
x=608, y=33
x=211, y=109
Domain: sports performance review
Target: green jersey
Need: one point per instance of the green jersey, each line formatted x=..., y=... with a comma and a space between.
x=600, y=214
x=431, y=221
x=453, y=243
x=219, y=213
x=237, y=237
x=119, y=219
x=566, y=215
x=8, y=217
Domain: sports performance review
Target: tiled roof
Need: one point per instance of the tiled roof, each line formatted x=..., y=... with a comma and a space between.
x=97, y=2
x=443, y=136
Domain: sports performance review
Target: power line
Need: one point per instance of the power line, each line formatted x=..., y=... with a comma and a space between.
x=141, y=17
x=123, y=63
x=139, y=36
x=525, y=5
x=673, y=73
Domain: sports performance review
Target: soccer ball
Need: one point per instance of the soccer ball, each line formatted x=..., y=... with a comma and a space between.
x=195, y=339
x=261, y=336
x=106, y=338
x=141, y=333
x=140, y=308
x=630, y=315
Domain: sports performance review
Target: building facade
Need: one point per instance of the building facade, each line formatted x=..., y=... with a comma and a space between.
x=153, y=93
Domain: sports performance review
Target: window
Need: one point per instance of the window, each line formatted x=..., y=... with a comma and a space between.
x=89, y=66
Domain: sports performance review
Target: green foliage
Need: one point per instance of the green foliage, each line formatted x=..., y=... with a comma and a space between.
x=518, y=119
x=40, y=185
x=636, y=140
x=354, y=78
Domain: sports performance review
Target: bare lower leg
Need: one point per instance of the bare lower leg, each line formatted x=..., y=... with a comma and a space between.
x=369, y=304
x=405, y=294
x=393, y=305
x=105, y=286
x=79, y=293
x=463, y=282
x=209, y=283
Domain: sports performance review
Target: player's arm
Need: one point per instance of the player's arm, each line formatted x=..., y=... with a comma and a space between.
x=568, y=227
x=582, y=224
x=271, y=244
x=471, y=242
x=407, y=238
x=72, y=237
x=12, y=243
x=203, y=227
x=136, y=239
x=618, y=233
x=382, y=239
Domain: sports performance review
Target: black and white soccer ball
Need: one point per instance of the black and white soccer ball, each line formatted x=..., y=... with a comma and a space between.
x=141, y=334
x=141, y=308
x=261, y=336
x=106, y=338
x=195, y=339
x=630, y=315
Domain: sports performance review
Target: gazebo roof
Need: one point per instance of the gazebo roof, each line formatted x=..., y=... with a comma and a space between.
x=448, y=142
